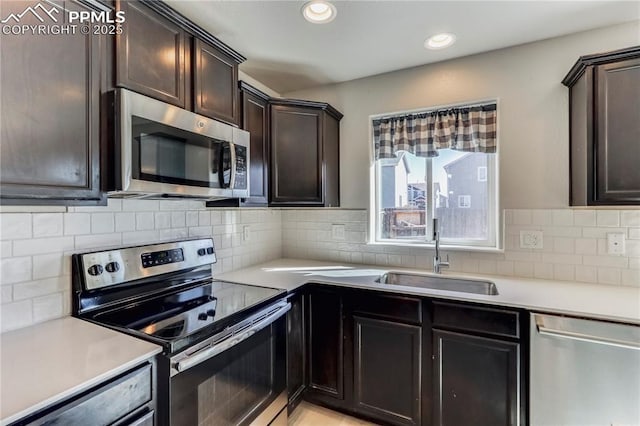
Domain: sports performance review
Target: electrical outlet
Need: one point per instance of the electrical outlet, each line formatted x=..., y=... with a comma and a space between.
x=337, y=231
x=531, y=239
x=246, y=233
x=615, y=244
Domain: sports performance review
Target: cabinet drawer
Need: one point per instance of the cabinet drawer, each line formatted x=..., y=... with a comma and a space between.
x=499, y=322
x=401, y=308
x=106, y=404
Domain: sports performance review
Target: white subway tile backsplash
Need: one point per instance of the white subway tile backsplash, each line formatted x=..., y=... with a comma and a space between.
x=31, y=289
x=15, y=226
x=125, y=221
x=564, y=272
x=178, y=219
x=141, y=205
x=15, y=270
x=50, y=265
x=42, y=245
x=634, y=233
x=587, y=274
x=609, y=276
x=584, y=218
x=163, y=220
x=16, y=315
x=522, y=217
x=562, y=217
x=608, y=218
x=6, y=294
x=586, y=246
x=48, y=307
x=97, y=241
x=77, y=223
x=5, y=249
x=630, y=218
x=541, y=217
x=630, y=277
x=101, y=223
x=47, y=224
x=35, y=274
x=145, y=221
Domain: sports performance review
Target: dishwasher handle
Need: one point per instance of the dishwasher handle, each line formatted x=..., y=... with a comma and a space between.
x=203, y=355
x=583, y=337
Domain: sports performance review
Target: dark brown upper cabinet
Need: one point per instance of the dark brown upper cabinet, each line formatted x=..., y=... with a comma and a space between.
x=215, y=83
x=50, y=113
x=255, y=120
x=604, y=106
x=150, y=54
x=305, y=145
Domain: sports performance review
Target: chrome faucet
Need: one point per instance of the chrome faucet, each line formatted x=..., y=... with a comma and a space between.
x=437, y=262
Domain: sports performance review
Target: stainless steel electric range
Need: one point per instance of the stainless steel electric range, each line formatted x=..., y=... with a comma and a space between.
x=224, y=357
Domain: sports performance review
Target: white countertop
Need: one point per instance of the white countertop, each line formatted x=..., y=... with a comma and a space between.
x=45, y=363
x=615, y=303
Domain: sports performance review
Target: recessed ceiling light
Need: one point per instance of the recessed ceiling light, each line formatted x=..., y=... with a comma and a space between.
x=319, y=11
x=440, y=41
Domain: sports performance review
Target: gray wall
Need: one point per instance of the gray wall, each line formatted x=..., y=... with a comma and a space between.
x=533, y=110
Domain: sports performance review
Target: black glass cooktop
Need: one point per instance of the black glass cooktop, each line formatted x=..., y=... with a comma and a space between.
x=182, y=316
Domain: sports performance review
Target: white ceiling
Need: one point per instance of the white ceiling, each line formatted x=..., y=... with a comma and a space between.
x=287, y=53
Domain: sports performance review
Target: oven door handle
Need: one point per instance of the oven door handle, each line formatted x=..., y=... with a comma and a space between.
x=198, y=357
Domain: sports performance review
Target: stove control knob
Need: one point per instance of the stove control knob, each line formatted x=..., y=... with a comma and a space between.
x=211, y=312
x=202, y=316
x=209, y=250
x=112, y=267
x=95, y=270
x=202, y=252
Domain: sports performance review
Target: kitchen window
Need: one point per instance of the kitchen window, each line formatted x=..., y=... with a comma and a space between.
x=414, y=181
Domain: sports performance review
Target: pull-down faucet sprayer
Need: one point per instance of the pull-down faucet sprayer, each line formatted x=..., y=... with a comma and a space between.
x=437, y=263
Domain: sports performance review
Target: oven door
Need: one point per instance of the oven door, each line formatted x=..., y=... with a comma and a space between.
x=243, y=384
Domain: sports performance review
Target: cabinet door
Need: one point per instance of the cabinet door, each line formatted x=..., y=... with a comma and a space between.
x=150, y=54
x=215, y=83
x=331, y=147
x=617, y=107
x=50, y=112
x=255, y=120
x=296, y=156
x=296, y=362
x=325, y=347
x=476, y=380
x=386, y=370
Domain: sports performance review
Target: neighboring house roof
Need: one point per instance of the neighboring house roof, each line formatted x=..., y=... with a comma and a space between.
x=394, y=161
x=457, y=160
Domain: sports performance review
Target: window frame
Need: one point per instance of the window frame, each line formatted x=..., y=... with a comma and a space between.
x=495, y=232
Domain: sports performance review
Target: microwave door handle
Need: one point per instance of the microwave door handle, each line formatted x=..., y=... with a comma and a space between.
x=232, y=181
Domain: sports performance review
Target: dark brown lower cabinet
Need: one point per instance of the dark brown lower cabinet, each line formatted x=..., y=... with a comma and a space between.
x=129, y=399
x=325, y=347
x=476, y=380
x=404, y=360
x=296, y=359
x=386, y=370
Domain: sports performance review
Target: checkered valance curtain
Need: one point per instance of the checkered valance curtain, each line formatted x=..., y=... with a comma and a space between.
x=471, y=129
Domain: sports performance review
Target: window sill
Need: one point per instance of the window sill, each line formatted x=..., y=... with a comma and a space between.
x=449, y=247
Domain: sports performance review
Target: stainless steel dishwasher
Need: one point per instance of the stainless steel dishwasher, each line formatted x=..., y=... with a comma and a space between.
x=584, y=372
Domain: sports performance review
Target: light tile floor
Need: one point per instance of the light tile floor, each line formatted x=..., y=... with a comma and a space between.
x=307, y=414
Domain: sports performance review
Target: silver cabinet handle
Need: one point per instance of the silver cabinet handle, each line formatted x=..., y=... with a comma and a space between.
x=563, y=334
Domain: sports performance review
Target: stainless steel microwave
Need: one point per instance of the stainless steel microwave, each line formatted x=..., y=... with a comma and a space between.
x=163, y=151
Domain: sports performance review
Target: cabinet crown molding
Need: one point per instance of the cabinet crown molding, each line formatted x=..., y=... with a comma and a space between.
x=596, y=59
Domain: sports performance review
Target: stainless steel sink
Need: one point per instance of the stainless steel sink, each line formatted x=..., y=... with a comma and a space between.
x=439, y=283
